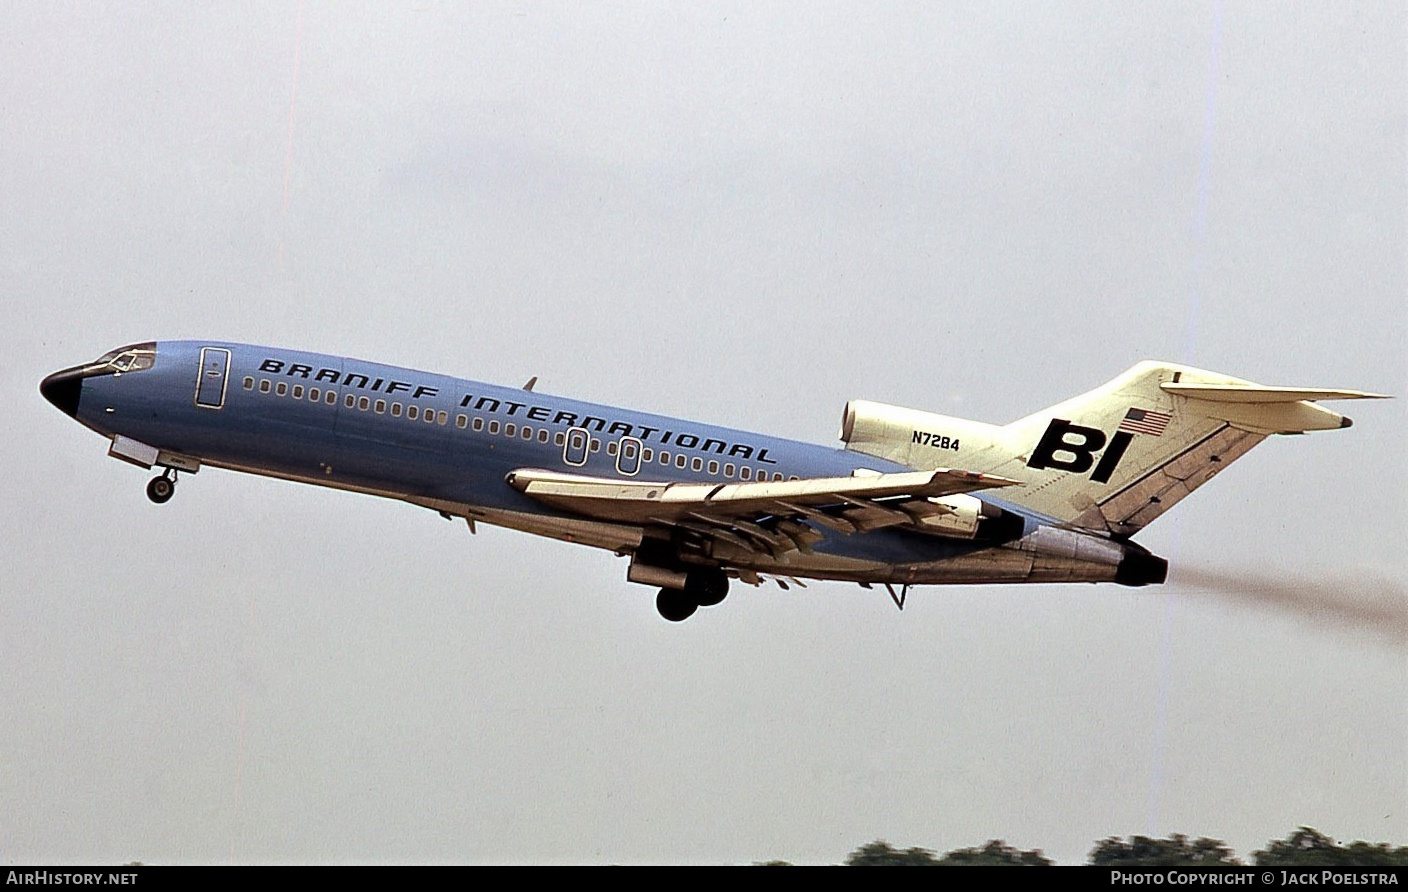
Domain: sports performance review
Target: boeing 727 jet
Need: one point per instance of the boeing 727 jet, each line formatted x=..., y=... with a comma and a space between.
x=913, y=497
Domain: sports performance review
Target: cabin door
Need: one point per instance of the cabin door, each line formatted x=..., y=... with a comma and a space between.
x=210, y=386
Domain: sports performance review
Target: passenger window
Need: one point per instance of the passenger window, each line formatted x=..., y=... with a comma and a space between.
x=479, y=424
x=713, y=467
x=413, y=412
x=248, y=383
x=745, y=472
x=298, y=391
x=282, y=389
x=510, y=429
x=728, y=469
x=648, y=455
x=315, y=394
x=493, y=427
x=527, y=432
x=264, y=385
x=461, y=421
x=330, y=397
x=441, y=417
x=380, y=407
x=364, y=403
x=350, y=401
x=596, y=445
x=559, y=438
x=610, y=448
x=543, y=435
x=395, y=410
x=681, y=460
x=697, y=464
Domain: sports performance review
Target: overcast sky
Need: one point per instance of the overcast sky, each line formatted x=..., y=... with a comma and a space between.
x=745, y=214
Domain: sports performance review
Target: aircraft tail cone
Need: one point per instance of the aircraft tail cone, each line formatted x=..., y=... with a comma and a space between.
x=1139, y=567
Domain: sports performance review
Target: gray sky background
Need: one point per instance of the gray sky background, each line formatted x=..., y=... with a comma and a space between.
x=746, y=214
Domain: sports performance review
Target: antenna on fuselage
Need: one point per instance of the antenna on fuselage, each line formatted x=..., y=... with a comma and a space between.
x=531, y=381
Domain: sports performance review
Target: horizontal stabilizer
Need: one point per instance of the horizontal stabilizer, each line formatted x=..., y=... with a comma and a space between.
x=1262, y=409
x=1255, y=393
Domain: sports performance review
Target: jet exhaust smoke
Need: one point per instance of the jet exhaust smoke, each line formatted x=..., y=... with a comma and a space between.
x=1364, y=602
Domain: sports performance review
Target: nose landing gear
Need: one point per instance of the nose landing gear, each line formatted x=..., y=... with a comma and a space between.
x=161, y=489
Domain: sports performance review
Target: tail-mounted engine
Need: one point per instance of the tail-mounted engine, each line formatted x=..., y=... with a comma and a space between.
x=918, y=439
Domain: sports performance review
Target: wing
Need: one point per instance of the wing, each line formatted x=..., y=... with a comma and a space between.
x=761, y=516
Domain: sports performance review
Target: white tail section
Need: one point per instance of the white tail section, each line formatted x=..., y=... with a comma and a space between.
x=1112, y=459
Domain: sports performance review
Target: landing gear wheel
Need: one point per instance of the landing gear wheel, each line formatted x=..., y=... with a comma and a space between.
x=674, y=605
x=707, y=587
x=161, y=489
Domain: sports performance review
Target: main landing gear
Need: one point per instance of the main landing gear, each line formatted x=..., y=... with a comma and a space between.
x=702, y=588
x=161, y=489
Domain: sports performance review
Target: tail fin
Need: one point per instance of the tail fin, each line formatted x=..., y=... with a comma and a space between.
x=1112, y=459
x=1121, y=455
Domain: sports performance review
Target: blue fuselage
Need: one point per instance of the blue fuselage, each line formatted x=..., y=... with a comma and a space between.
x=448, y=444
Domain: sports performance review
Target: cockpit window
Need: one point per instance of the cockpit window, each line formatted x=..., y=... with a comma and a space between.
x=132, y=358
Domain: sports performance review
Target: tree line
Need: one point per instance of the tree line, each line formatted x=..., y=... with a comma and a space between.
x=1306, y=847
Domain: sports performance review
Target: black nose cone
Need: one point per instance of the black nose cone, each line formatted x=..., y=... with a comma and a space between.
x=63, y=389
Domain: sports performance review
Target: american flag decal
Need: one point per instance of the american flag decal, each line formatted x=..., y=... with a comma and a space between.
x=1145, y=421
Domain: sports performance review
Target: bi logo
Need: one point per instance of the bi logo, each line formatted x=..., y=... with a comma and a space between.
x=1073, y=447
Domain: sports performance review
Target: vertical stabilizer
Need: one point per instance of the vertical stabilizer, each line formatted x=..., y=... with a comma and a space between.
x=1121, y=455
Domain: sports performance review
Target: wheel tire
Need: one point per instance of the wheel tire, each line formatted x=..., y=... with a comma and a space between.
x=674, y=605
x=161, y=489
x=707, y=587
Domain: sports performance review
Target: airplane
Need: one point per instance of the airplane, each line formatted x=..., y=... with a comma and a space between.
x=911, y=498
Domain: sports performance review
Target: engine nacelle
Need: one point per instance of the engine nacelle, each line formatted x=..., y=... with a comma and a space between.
x=915, y=438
